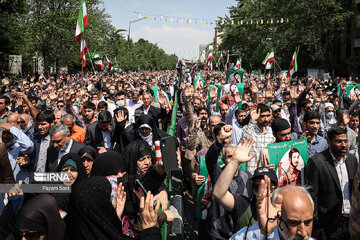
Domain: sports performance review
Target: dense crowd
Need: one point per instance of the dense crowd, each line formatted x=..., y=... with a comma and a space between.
x=102, y=130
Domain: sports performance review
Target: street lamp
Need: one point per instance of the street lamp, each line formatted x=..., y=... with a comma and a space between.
x=133, y=21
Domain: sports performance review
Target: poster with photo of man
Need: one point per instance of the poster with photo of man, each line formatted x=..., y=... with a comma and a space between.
x=289, y=159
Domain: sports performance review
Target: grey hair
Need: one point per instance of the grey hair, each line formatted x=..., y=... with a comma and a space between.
x=293, y=189
x=133, y=92
x=226, y=146
x=68, y=116
x=59, y=128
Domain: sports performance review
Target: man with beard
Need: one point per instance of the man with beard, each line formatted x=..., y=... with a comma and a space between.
x=240, y=115
x=88, y=113
x=330, y=176
x=26, y=125
x=62, y=144
x=17, y=144
x=258, y=129
x=292, y=175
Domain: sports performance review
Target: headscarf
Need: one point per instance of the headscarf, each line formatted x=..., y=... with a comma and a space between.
x=91, y=215
x=157, y=134
x=62, y=199
x=40, y=213
x=108, y=163
x=132, y=152
x=88, y=149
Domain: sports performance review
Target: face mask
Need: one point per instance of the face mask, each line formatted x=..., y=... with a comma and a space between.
x=120, y=103
x=329, y=115
x=63, y=214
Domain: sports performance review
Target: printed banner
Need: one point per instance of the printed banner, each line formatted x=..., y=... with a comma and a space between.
x=227, y=92
x=289, y=159
x=235, y=75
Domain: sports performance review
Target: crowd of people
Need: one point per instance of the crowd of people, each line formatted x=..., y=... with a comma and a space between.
x=101, y=130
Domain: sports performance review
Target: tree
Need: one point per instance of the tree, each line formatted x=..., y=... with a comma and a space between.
x=315, y=26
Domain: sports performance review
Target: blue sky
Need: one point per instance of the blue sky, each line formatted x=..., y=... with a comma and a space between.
x=171, y=36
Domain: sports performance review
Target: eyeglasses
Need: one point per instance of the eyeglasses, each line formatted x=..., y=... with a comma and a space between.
x=27, y=235
x=60, y=106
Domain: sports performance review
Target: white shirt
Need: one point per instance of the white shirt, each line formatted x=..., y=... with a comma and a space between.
x=107, y=139
x=131, y=106
x=344, y=183
x=66, y=151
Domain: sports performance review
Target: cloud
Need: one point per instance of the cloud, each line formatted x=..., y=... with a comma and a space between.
x=176, y=39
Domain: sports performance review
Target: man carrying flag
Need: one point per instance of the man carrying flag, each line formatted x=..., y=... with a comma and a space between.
x=97, y=60
x=82, y=21
x=83, y=50
x=293, y=64
x=270, y=57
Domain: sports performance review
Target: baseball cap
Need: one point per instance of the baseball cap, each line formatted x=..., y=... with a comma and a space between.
x=260, y=172
x=275, y=107
x=138, y=113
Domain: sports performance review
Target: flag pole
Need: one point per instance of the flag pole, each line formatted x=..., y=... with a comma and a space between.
x=91, y=62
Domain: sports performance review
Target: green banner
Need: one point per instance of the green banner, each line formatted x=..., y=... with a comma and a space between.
x=289, y=159
x=204, y=194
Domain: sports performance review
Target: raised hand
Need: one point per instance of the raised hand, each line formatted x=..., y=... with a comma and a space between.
x=120, y=116
x=254, y=114
x=264, y=207
x=225, y=133
x=120, y=200
x=237, y=98
x=148, y=215
x=23, y=160
x=188, y=91
x=241, y=153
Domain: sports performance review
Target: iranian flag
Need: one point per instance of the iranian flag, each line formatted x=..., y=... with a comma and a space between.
x=219, y=61
x=83, y=50
x=211, y=56
x=211, y=66
x=193, y=69
x=188, y=63
x=82, y=20
x=238, y=63
x=270, y=57
x=97, y=59
x=293, y=64
x=109, y=64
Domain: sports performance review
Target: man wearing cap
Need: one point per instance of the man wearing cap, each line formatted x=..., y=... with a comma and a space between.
x=276, y=111
x=99, y=134
x=282, y=132
x=242, y=210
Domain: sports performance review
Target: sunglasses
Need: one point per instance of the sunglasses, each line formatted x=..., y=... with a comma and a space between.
x=27, y=235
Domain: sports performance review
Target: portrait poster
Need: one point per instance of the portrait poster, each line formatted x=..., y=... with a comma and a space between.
x=289, y=159
x=204, y=194
x=225, y=89
x=234, y=75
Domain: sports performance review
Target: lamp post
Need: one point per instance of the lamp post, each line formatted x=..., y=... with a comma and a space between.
x=133, y=21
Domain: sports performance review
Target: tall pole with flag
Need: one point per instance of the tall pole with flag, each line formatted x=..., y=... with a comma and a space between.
x=293, y=64
x=270, y=57
x=82, y=21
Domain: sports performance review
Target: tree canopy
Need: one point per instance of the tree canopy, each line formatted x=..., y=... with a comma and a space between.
x=47, y=28
x=317, y=27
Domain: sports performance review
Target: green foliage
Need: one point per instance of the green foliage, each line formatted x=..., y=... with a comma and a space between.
x=314, y=25
x=47, y=28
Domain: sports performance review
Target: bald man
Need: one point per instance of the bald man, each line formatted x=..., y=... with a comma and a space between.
x=77, y=133
x=13, y=118
x=292, y=210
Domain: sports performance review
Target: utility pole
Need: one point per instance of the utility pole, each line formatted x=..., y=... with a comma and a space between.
x=133, y=21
